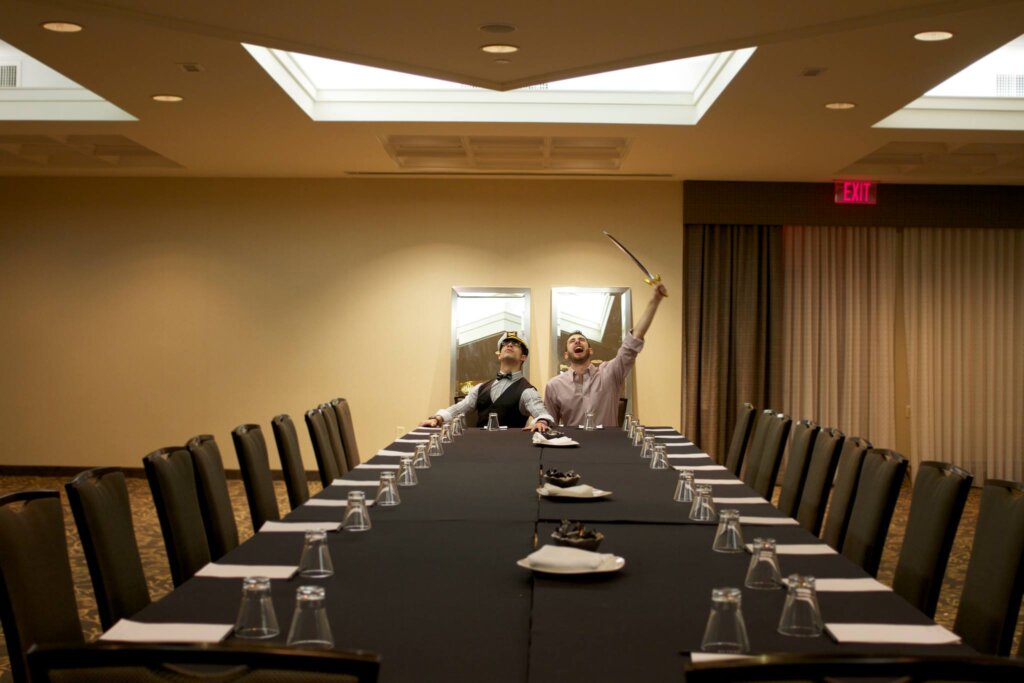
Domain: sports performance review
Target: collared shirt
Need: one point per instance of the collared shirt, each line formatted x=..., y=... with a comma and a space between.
x=530, y=402
x=569, y=396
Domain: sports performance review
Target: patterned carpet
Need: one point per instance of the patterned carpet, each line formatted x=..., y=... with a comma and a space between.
x=154, y=559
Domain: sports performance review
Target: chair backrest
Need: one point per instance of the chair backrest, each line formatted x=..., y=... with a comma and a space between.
x=822, y=469
x=348, y=432
x=992, y=590
x=763, y=425
x=37, y=596
x=103, y=514
x=172, y=482
x=800, y=449
x=291, y=460
x=237, y=663
x=740, y=437
x=334, y=436
x=940, y=493
x=325, y=462
x=845, y=485
x=254, y=462
x=877, y=491
x=771, y=458
x=214, y=500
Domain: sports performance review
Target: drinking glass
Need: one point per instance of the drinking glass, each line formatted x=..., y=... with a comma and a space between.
x=633, y=424
x=638, y=435
x=627, y=422
x=659, y=459
x=310, y=628
x=492, y=422
x=648, y=449
x=763, y=573
x=406, y=472
x=801, y=616
x=387, y=491
x=434, y=450
x=684, y=487
x=357, y=516
x=446, y=433
x=256, y=616
x=315, y=562
x=729, y=536
x=421, y=460
x=457, y=425
x=703, y=508
x=588, y=421
x=726, y=631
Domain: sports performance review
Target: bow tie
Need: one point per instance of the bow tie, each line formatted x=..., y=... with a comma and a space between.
x=503, y=375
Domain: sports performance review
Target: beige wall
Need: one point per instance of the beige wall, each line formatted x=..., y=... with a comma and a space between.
x=140, y=312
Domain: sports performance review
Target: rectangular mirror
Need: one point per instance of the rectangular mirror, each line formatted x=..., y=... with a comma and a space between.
x=603, y=314
x=479, y=317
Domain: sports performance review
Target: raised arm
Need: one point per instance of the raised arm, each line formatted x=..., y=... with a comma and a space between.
x=640, y=329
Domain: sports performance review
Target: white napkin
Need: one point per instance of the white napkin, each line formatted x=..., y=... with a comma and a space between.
x=241, y=571
x=679, y=444
x=800, y=549
x=701, y=657
x=330, y=503
x=862, y=585
x=658, y=429
x=418, y=432
x=429, y=429
x=355, y=482
x=716, y=482
x=412, y=440
x=718, y=468
x=539, y=440
x=767, y=520
x=741, y=501
x=667, y=436
x=578, y=491
x=597, y=427
x=892, y=633
x=300, y=526
x=127, y=631
x=561, y=557
x=367, y=466
x=385, y=451
x=688, y=456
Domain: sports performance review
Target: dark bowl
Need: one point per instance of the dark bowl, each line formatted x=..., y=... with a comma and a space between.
x=587, y=543
x=562, y=481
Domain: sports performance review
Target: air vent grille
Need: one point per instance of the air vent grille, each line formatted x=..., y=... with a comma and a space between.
x=1010, y=85
x=9, y=75
x=506, y=153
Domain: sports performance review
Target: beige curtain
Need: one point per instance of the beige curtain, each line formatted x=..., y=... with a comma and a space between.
x=964, y=304
x=838, y=319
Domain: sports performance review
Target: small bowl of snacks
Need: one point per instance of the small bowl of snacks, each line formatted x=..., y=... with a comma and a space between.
x=575, y=535
x=561, y=479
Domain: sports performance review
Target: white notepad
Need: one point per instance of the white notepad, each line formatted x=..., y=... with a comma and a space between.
x=368, y=466
x=127, y=631
x=767, y=520
x=356, y=482
x=800, y=549
x=746, y=500
x=699, y=467
x=330, y=503
x=716, y=482
x=862, y=585
x=241, y=571
x=303, y=527
x=932, y=634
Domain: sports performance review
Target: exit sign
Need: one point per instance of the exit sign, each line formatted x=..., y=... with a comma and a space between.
x=855, y=192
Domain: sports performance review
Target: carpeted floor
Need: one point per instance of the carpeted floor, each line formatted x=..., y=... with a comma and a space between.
x=147, y=529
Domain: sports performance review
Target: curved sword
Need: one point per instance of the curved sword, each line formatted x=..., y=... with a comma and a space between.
x=650, y=278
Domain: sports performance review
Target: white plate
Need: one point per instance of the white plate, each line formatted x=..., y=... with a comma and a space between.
x=612, y=564
x=598, y=493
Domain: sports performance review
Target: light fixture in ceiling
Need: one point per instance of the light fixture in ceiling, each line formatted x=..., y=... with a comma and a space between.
x=499, y=49
x=61, y=26
x=167, y=97
x=840, y=106
x=497, y=28
x=932, y=36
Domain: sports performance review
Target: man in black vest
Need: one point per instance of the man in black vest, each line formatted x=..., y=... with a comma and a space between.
x=509, y=394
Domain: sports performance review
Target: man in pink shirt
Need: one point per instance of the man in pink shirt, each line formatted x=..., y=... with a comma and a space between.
x=587, y=387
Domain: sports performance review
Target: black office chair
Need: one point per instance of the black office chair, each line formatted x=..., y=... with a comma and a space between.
x=852, y=667
x=326, y=464
x=810, y=512
x=103, y=514
x=764, y=423
x=234, y=662
x=254, y=462
x=334, y=436
x=214, y=500
x=37, y=596
x=994, y=583
x=843, y=489
x=800, y=449
x=173, y=485
x=940, y=493
x=348, y=432
x=771, y=458
x=881, y=476
x=740, y=437
x=291, y=460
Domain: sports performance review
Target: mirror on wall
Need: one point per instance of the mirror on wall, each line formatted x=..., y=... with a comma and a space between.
x=603, y=314
x=479, y=317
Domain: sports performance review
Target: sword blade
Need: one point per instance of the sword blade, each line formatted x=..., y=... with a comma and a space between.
x=650, y=276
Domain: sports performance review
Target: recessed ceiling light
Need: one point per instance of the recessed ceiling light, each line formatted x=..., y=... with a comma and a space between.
x=61, y=26
x=932, y=36
x=497, y=28
x=499, y=49
x=167, y=98
x=839, y=106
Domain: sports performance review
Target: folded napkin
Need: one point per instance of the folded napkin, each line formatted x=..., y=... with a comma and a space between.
x=540, y=440
x=127, y=631
x=300, y=526
x=863, y=585
x=767, y=520
x=578, y=491
x=699, y=467
x=716, y=482
x=355, y=482
x=385, y=451
x=330, y=503
x=370, y=466
x=241, y=571
x=752, y=500
x=799, y=549
x=412, y=440
x=892, y=633
x=561, y=557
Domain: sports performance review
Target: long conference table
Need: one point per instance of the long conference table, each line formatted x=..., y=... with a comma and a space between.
x=434, y=587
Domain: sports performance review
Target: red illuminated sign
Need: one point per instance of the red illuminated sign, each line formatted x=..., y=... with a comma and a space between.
x=856, y=192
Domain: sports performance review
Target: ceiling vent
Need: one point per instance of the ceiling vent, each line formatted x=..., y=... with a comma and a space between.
x=506, y=153
x=1010, y=85
x=10, y=74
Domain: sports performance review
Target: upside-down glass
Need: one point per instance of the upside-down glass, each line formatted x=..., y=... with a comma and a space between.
x=764, y=573
x=659, y=459
x=446, y=433
x=726, y=630
x=627, y=422
x=638, y=435
x=457, y=424
x=310, y=628
x=729, y=536
x=406, y=472
x=589, y=423
x=315, y=562
x=648, y=450
x=801, y=616
x=420, y=460
x=387, y=491
x=434, y=450
x=632, y=428
x=357, y=516
x=684, y=487
x=703, y=507
x=256, y=616
x=492, y=422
